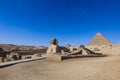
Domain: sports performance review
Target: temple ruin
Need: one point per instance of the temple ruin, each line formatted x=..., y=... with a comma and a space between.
x=58, y=53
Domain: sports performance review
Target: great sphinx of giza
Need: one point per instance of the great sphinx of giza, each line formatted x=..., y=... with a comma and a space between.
x=53, y=48
x=58, y=52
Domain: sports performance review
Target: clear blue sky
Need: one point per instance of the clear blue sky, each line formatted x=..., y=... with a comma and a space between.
x=35, y=22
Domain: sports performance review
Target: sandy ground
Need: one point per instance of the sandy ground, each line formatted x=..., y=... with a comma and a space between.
x=104, y=68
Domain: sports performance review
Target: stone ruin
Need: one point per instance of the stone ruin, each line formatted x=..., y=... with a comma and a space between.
x=13, y=56
x=55, y=51
x=53, y=48
x=9, y=55
x=16, y=54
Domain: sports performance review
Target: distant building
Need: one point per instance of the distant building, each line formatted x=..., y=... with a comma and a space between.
x=99, y=40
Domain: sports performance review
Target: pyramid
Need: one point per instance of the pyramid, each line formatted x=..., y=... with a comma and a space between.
x=99, y=40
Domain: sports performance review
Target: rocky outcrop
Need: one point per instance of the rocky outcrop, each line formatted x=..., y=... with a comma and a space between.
x=13, y=56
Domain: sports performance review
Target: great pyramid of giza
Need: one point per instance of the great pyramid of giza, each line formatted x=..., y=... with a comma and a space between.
x=99, y=40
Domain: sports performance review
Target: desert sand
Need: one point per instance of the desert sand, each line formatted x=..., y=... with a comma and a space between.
x=97, y=68
x=90, y=68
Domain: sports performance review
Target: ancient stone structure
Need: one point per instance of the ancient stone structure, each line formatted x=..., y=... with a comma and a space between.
x=81, y=50
x=13, y=56
x=53, y=48
x=58, y=53
x=68, y=50
x=36, y=55
x=99, y=40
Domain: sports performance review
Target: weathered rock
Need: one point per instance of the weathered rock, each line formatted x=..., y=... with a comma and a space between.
x=54, y=57
x=53, y=48
x=81, y=50
x=36, y=55
x=58, y=53
x=13, y=56
x=70, y=48
x=54, y=41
